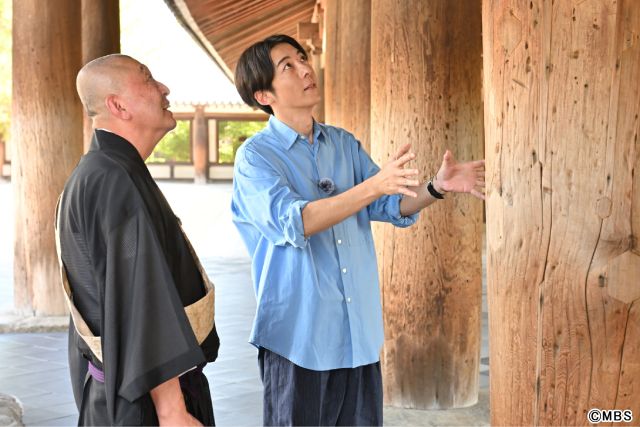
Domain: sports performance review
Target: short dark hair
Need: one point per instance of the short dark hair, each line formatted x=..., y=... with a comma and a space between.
x=255, y=70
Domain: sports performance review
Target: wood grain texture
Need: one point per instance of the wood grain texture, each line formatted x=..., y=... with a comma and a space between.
x=562, y=98
x=46, y=128
x=426, y=90
x=347, y=65
x=100, y=36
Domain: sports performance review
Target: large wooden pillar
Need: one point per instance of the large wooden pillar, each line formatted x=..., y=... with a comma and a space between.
x=46, y=131
x=426, y=89
x=347, y=65
x=100, y=36
x=562, y=100
x=200, y=146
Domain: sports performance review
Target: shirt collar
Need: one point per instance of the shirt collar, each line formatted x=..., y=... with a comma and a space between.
x=289, y=136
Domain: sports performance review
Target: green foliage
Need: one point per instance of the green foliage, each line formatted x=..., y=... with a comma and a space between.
x=231, y=134
x=5, y=69
x=175, y=146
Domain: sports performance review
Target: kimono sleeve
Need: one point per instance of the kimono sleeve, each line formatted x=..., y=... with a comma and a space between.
x=146, y=336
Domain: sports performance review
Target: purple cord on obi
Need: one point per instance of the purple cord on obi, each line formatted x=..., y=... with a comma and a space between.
x=96, y=373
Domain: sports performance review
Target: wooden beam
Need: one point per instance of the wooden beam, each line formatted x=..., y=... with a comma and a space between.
x=426, y=90
x=308, y=30
x=309, y=34
x=46, y=126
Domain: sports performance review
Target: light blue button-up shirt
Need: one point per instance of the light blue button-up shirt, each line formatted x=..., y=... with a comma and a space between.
x=318, y=299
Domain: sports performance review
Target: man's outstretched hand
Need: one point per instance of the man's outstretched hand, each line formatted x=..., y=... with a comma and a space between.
x=457, y=177
x=393, y=178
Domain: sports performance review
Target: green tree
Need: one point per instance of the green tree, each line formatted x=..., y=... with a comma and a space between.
x=232, y=134
x=175, y=146
x=5, y=69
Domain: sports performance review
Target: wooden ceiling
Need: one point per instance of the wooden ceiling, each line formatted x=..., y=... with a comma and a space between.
x=225, y=28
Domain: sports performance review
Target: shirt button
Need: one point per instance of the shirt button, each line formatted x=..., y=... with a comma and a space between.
x=339, y=241
x=344, y=270
x=348, y=299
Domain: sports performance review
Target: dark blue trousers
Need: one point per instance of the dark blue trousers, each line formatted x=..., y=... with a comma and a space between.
x=295, y=396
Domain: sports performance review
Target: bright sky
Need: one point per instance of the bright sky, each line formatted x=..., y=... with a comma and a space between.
x=151, y=34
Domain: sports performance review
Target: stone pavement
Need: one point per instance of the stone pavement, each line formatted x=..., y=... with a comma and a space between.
x=33, y=366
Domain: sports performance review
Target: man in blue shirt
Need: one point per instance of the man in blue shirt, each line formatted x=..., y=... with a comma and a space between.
x=304, y=196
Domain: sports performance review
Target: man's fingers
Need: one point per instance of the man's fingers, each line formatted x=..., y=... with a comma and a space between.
x=480, y=183
x=448, y=157
x=477, y=194
x=402, y=151
x=407, y=172
x=405, y=158
x=478, y=163
x=407, y=192
x=406, y=180
x=410, y=182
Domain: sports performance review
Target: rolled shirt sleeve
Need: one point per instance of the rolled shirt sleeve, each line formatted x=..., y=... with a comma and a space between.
x=387, y=209
x=264, y=198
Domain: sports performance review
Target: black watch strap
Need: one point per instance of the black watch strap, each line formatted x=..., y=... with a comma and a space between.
x=433, y=191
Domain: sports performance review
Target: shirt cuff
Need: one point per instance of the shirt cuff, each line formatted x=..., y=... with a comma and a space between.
x=294, y=228
x=392, y=208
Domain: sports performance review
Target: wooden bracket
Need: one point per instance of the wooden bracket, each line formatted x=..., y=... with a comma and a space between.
x=309, y=35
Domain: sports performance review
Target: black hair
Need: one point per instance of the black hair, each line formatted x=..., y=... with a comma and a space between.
x=255, y=70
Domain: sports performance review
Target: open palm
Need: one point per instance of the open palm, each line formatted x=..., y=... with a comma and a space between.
x=457, y=177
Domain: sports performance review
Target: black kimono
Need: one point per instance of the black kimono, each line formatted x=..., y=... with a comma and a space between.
x=131, y=273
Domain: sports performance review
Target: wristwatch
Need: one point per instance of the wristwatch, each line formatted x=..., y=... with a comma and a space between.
x=433, y=191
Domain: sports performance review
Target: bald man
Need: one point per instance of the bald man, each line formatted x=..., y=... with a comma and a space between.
x=130, y=269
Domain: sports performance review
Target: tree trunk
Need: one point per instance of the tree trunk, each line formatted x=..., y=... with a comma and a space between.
x=200, y=146
x=426, y=90
x=562, y=97
x=46, y=129
x=100, y=37
x=347, y=64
